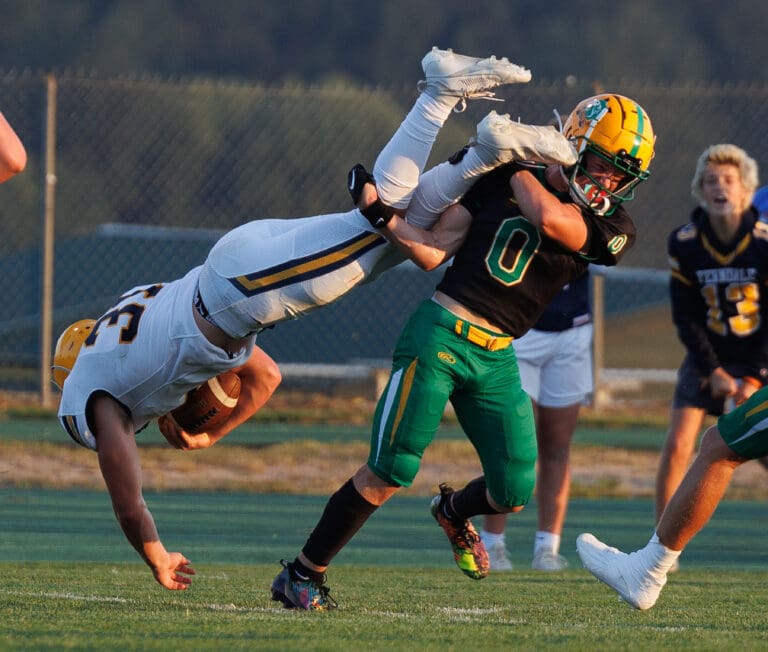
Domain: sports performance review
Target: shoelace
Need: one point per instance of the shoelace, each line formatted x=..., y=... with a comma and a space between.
x=325, y=594
x=421, y=86
x=466, y=536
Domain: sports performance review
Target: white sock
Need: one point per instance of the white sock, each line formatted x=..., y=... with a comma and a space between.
x=546, y=540
x=401, y=162
x=442, y=186
x=490, y=539
x=658, y=556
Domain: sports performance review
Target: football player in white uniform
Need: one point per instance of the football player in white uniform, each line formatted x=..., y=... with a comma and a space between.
x=138, y=360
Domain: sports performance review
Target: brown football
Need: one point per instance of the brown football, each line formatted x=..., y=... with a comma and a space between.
x=207, y=407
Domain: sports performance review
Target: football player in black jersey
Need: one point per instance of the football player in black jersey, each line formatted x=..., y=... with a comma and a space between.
x=517, y=237
x=719, y=269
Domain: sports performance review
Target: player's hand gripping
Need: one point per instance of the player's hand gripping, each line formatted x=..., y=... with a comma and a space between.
x=173, y=572
x=181, y=439
x=722, y=384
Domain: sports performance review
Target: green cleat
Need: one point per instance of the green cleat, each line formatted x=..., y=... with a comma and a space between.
x=468, y=548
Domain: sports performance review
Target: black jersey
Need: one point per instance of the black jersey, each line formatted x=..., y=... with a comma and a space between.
x=507, y=271
x=718, y=293
x=569, y=308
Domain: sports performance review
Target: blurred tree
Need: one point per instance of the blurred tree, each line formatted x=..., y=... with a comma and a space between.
x=381, y=42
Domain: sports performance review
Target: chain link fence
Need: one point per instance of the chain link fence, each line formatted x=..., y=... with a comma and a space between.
x=145, y=174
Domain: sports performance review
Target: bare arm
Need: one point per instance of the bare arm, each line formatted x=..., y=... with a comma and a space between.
x=259, y=378
x=560, y=221
x=430, y=249
x=13, y=156
x=121, y=468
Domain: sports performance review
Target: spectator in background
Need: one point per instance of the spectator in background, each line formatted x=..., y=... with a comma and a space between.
x=555, y=361
x=719, y=269
x=13, y=156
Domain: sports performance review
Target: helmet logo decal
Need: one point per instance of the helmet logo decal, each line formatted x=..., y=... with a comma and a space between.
x=595, y=110
x=616, y=243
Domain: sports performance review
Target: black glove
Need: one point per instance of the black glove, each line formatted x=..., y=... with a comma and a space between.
x=357, y=177
x=378, y=214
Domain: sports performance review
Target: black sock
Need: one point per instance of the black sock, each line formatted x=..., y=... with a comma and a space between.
x=469, y=501
x=304, y=573
x=344, y=515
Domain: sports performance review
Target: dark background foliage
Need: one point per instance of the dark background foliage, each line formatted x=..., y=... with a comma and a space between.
x=378, y=42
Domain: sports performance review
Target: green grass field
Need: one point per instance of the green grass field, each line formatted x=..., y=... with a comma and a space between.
x=255, y=433
x=70, y=581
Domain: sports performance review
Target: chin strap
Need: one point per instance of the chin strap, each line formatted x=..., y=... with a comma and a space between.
x=591, y=197
x=559, y=119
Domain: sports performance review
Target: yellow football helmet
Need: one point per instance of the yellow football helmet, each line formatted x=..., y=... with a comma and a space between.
x=68, y=347
x=618, y=130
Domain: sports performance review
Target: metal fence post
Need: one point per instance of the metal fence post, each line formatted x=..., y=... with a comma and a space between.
x=598, y=340
x=46, y=309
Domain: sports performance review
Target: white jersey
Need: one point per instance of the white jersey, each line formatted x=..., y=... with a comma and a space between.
x=147, y=352
x=258, y=274
x=267, y=271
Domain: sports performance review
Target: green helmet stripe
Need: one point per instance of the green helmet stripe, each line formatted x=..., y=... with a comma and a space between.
x=640, y=128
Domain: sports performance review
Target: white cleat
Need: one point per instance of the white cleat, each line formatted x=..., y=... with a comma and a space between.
x=497, y=557
x=501, y=139
x=627, y=574
x=448, y=73
x=548, y=560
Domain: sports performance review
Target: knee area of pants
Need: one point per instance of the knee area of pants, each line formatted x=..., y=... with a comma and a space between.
x=396, y=198
x=401, y=474
x=516, y=491
x=394, y=193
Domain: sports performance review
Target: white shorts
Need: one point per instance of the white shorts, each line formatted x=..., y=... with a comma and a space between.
x=556, y=366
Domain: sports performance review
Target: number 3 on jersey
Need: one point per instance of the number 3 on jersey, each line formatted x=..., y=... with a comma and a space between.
x=133, y=311
x=745, y=297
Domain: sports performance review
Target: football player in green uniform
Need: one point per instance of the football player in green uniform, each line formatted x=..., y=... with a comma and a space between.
x=516, y=238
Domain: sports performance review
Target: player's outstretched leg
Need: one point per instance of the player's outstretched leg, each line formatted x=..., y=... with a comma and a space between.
x=630, y=575
x=300, y=593
x=468, y=548
x=450, y=79
x=456, y=75
x=501, y=139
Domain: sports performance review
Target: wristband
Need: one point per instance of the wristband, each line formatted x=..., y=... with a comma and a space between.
x=378, y=213
x=357, y=177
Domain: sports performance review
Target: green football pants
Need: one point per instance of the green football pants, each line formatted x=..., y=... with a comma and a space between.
x=434, y=362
